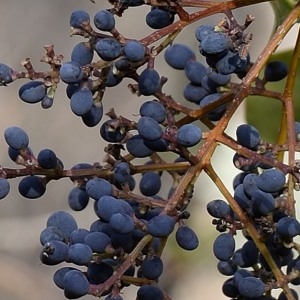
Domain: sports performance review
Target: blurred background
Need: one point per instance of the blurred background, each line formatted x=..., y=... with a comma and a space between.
x=26, y=26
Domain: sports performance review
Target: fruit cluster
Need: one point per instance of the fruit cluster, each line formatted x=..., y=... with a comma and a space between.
x=125, y=241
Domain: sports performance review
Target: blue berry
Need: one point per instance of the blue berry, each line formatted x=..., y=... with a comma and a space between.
x=152, y=267
x=288, y=227
x=54, y=252
x=224, y=246
x=248, y=136
x=98, y=241
x=63, y=222
x=186, y=238
x=150, y=184
x=32, y=91
x=154, y=110
x=93, y=116
x=217, y=113
x=104, y=20
x=71, y=72
x=82, y=53
x=112, y=134
x=149, y=82
x=4, y=187
x=149, y=292
x=78, y=199
x=218, y=208
x=75, y=284
x=47, y=159
x=188, y=135
x=108, y=48
x=203, y=31
x=149, y=129
x=195, y=71
x=80, y=254
x=79, y=18
x=5, y=74
x=134, y=51
x=275, y=71
x=16, y=138
x=81, y=101
x=122, y=223
x=160, y=226
x=159, y=17
x=32, y=187
x=194, y=93
x=271, y=181
x=251, y=287
x=135, y=146
x=214, y=42
x=178, y=55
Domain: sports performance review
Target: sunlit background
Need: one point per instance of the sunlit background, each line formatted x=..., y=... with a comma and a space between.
x=26, y=26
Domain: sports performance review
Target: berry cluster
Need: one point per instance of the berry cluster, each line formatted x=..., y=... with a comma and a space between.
x=133, y=219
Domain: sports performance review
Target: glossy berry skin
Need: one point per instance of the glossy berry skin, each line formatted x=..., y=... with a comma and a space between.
x=188, y=135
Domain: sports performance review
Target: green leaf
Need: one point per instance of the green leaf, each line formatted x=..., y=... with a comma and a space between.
x=265, y=113
x=281, y=9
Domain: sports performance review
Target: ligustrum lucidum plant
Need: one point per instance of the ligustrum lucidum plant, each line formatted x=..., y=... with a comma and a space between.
x=132, y=222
